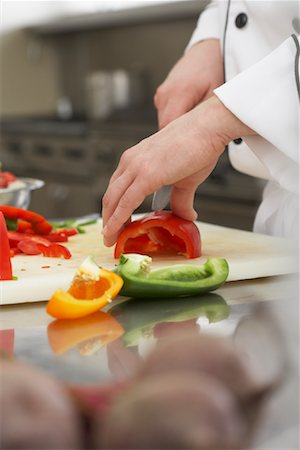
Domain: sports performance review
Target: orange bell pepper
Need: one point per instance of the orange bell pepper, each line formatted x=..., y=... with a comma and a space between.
x=85, y=295
x=64, y=334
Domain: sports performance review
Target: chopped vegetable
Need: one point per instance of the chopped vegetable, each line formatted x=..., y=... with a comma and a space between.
x=11, y=224
x=172, y=281
x=160, y=231
x=6, y=178
x=38, y=222
x=54, y=251
x=91, y=289
x=5, y=263
x=74, y=224
x=34, y=244
x=29, y=247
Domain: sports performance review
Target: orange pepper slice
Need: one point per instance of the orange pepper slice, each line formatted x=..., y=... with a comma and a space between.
x=64, y=334
x=85, y=296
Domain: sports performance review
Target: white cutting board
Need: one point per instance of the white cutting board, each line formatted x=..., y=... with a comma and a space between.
x=249, y=256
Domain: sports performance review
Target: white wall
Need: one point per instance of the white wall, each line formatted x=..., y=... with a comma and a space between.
x=18, y=13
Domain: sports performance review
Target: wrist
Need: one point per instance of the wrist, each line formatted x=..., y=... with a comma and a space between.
x=228, y=125
x=221, y=123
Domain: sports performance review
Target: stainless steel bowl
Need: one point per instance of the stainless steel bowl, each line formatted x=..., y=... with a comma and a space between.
x=20, y=196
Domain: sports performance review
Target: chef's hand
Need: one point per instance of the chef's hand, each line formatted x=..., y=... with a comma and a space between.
x=182, y=154
x=191, y=81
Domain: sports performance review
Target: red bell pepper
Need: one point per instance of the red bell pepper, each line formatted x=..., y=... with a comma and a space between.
x=160, y=231
x=9, y=176
x=38, y=222
x=24, y=227
x=3, y=181
x=29, y=246
x=54, y=251
x=5, y=263
x=6, y=178
x=33, y=244
x=67, y=231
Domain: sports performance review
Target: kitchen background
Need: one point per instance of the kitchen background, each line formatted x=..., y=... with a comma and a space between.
x=77, y=83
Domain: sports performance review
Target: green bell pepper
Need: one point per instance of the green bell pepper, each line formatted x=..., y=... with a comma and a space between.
x=171, y=281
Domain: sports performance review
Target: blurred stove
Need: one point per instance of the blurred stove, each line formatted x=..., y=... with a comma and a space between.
x=77, y=158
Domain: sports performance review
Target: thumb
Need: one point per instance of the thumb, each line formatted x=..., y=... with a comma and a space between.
x=182, y=203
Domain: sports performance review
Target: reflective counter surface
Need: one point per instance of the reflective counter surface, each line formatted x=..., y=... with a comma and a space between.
x=109, y=344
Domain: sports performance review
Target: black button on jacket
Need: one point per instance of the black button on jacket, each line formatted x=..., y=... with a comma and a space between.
x=241, y=20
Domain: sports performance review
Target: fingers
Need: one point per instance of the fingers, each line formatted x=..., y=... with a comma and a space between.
x=172, y=109
x=171, y=112
x=113, y=195
x=119, y=203
x=182, y=202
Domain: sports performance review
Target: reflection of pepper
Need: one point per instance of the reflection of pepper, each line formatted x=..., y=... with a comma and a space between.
x=160, y=231
x=172, y=281
x=88, y=292
x=7, y=342
x=87, y=333
x=143, y=319
x=5, y=264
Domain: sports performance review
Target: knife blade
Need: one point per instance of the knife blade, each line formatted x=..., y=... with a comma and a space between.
x=161, y=198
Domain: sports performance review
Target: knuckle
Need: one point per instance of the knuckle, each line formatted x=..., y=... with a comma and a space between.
x=125, y=202
x=160, y=94
x=125, y=157
x=106, y=200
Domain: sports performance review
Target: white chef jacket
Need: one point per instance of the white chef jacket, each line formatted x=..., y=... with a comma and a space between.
x=261, y=90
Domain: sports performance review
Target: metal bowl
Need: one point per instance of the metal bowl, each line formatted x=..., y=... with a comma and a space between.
x=20, y=195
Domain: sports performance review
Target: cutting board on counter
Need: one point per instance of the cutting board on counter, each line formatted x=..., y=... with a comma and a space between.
x=249, y=256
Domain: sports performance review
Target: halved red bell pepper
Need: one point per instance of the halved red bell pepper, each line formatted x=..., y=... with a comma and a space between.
x=5, y=263
x=160, y=231
x=38, y=222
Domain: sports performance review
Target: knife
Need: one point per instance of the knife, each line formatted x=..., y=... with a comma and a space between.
x=161, y=198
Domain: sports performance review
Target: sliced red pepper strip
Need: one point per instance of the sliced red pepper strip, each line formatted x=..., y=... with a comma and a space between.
x=15, y=237
x=23, y=226
x=38, y=222
x=54, y=251
x=15, y=251
x=5, y=263
x=32, y=244
x=56, y=236
x=29, y=247
x=68, y=231
x=42, y=227
x=160, y=231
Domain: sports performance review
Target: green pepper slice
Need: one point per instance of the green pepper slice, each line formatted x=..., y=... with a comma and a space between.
x=172, y=281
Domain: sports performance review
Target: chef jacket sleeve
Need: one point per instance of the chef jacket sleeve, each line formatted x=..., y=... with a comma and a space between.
x=207, y=26
x=265, y=97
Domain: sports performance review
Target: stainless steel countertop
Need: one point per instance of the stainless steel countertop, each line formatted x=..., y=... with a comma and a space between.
x=231, y=303
x=146, y=322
